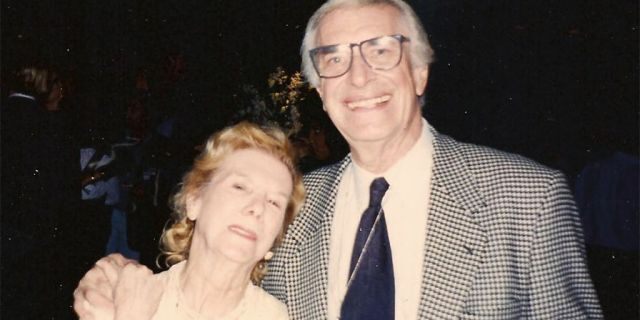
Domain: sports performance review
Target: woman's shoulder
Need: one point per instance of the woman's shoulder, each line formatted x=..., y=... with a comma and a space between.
x=167, y=308
x=265, y=306
x=171, y=275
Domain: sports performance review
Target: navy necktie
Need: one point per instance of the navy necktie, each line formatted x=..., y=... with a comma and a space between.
x=370, y=290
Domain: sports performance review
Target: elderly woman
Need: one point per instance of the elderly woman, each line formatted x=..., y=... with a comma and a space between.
x=231, y=211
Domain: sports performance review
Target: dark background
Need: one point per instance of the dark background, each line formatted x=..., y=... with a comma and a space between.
x=556, y=81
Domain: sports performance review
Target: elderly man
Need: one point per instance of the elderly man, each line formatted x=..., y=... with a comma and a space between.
x=413, y=224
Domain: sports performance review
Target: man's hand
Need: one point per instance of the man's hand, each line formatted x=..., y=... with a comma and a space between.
x=93, y=298
x=137, y=294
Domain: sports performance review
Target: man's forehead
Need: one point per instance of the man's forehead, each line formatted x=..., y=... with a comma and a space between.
x=355, y=24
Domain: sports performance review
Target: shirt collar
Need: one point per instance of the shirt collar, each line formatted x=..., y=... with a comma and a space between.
x=413, y=161
x=22, y=95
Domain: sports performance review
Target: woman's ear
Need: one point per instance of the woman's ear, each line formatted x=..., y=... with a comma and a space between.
x=193, y=207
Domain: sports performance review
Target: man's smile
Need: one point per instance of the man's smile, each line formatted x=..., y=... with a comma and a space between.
x=368, y=103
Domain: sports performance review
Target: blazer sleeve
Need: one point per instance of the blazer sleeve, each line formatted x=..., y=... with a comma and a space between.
x=560, y=284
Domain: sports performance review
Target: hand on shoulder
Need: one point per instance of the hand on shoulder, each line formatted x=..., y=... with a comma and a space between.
x=137, y=293
x=93, y=298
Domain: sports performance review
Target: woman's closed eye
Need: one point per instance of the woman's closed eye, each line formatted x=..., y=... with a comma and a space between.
x=275, y=203
x=239, y=186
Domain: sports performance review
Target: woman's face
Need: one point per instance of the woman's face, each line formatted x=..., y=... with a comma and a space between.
x=241, y=211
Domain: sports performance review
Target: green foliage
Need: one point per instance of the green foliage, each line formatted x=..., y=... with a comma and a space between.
x=280, y=105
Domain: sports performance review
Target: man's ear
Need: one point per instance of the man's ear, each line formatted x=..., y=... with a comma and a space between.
x=420, y=77
x=193, y=207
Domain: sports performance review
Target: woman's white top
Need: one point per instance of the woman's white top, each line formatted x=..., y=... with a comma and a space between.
x=256, y=304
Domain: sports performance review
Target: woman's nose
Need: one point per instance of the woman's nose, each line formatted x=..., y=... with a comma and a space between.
x=256, y=206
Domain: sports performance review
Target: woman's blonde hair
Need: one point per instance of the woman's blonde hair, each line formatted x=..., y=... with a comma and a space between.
x=36, y=81
x=176, y=239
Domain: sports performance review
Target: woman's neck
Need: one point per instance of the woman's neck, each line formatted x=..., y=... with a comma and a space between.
x=213, y=287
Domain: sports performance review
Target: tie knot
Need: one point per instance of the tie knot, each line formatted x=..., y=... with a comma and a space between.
x=378, y=188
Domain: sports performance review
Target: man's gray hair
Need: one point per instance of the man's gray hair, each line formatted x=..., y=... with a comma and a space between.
x=421, y=52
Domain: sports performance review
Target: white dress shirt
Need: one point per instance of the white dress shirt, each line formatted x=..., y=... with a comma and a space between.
x=405, y=207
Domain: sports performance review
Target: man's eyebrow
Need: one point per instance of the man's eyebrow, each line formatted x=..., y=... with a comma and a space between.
x=330, y=48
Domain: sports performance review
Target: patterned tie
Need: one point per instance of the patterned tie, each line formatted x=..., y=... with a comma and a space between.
x=370, y=290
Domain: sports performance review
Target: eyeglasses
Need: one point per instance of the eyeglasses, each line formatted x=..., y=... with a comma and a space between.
x=381, y=53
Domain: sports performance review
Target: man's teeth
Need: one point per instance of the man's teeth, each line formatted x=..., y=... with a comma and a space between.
x=368, y=102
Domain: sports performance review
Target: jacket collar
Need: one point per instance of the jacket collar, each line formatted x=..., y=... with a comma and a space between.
x=307, y=276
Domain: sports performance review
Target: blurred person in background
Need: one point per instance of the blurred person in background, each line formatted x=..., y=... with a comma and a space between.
x=40, y=189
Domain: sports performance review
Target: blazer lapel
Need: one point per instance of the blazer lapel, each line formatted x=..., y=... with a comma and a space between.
x=455, y=240
x=307, y=275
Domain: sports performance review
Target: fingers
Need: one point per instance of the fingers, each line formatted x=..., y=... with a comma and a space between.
x=91, y=305
x=112, y=265
x=132, y=277
x=118, y=260
x=110, y=270
x=138, y=293
x=95, y=289
x=132, y=272
x=80, y=305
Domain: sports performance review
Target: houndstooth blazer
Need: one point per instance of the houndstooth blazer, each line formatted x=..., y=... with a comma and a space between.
x=503, y=241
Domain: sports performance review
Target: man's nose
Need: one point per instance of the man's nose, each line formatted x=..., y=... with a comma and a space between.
x=360, y=73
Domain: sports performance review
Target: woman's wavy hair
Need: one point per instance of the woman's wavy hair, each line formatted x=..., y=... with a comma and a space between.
x=176, y=239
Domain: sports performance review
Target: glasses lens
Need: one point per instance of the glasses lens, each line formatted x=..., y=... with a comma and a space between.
x=331, y=61
x=382, y=53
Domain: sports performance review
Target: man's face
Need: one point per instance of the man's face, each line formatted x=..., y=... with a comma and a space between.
x=366, y=105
